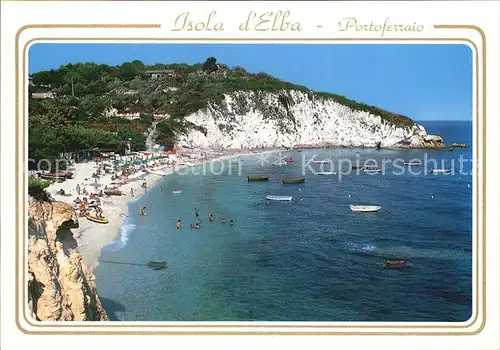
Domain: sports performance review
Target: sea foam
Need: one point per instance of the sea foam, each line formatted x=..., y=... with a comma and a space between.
x=125, y=229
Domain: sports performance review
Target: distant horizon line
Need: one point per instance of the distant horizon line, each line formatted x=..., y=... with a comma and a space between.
x=443, y=120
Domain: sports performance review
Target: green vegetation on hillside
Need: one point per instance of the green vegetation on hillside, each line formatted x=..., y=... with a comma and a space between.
x=36, y=188
x=76, y=117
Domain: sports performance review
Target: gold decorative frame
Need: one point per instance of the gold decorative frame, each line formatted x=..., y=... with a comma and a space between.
x=334, y=330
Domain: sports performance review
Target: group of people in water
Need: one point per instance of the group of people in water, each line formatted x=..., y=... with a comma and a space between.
x=178, y=224
x=197, y=224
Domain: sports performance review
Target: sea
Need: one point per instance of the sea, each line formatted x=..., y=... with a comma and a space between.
x=308, y=259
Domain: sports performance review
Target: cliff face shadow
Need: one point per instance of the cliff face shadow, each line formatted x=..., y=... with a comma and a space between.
x=111, y=307
x=65, y=236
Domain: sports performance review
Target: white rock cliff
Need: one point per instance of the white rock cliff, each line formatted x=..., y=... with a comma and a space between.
x=293, y=118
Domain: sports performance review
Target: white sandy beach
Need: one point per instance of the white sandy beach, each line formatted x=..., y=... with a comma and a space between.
x=92, y=236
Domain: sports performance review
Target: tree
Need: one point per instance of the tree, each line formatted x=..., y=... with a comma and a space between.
x=128, y=71
x=138, y=65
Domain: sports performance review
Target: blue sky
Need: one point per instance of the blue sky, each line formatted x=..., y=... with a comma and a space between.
x=422, y=81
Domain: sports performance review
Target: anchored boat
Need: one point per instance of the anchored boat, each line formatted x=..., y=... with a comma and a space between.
x=326, y=173
x=294, y=180
x=325, y=161
x=458, y=145
x=372, y=170
x=395, y=264
x=365, y=208
x=96, y=219
x=258, y=178
x=279, y=198
x=414, y=163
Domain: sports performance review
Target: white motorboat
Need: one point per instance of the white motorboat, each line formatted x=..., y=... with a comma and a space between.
x=280, y=162
x=441, y=171
x=413, y=163
x=326, y=173
x=326, y=161
x=365, y=208
x=372, y=170
x=279, y=198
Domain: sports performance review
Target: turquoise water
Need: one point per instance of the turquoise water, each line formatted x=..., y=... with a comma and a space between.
x=310, y=259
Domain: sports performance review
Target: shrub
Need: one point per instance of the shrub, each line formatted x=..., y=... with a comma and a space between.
x=36, y=188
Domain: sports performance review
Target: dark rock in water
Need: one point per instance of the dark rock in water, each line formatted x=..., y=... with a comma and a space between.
x=157, y=265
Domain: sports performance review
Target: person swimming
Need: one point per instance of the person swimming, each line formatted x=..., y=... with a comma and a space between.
x=178, y=224
x=211, y=218
x=143, y=211
x=196, y=214
x=198, y=222
x=231, y=222
x=194, y=226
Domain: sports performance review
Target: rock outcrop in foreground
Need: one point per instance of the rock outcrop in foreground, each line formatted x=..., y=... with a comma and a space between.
x=253, y=119
x=60, y=286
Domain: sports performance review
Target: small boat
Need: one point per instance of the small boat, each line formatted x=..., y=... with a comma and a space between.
x=258, y=178
x=355, y=167
x=325, y=161
x=458, y=145
x=113, y=193
x=52, y=177
x=294, y=180
x=177, y=192
x=157, y=265
x=289, y=160
x=185, y=164
x=96, y=219
x=326, y=173
x=441, y=171
x=61, y=174
x=372, y=169
x=414, y=163
x=450, y=149
x=279, y=198
x=365, y=208
x=395, y=264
